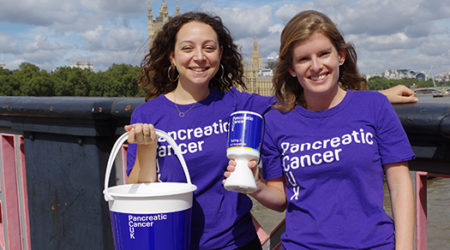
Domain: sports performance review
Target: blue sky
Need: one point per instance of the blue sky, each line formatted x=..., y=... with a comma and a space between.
x=388, y=34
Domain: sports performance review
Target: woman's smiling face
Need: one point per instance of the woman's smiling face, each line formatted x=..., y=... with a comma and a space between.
x=197, y=53
x=315, y=63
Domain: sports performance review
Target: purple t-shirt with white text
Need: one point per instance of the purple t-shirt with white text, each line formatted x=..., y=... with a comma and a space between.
x=332, y=162
x=220, y=218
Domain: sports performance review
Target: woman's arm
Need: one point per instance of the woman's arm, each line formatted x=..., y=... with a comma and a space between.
x=402, y=201
x=271, y=194
x=399, y=94
x=144, y=169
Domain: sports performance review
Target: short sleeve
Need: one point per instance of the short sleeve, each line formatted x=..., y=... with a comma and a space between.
x=252, y=102
x=392, y=140
x=270, y=155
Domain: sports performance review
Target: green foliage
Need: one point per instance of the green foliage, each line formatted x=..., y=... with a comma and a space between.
x=120, y=80
x=9, y=86
x=77, y=79
x=39, y=86
x=100, y=83
x=124, y=80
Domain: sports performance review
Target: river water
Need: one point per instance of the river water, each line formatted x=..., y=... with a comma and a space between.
x=438, y=204
x=438, y=191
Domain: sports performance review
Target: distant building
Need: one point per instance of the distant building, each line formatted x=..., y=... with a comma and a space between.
x=368, y=76
x=257, y=79
x=155, y=25
x=2, y=65
x=81, y=64
x=443, y=77
x=403, y=73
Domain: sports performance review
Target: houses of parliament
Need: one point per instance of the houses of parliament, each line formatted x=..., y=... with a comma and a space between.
x=255, y=81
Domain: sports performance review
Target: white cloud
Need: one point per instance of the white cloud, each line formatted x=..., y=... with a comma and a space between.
x=93, y=39
x=243, y=22
x=40, y=42
x=436, y=46
x=387, y=33
x=116, y=6
x=41, y=13
x=8, y=45
x=382, y=42
x=43, y=52
x=102, y=61
x=122, y=38
x=398, y=34
x=70, y=14
x=287, y=11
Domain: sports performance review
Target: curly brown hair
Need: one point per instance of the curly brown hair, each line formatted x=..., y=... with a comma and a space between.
x=155, y=65
x=288, y=91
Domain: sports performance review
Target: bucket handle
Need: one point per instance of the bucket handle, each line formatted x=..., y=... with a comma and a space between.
x=122, y=139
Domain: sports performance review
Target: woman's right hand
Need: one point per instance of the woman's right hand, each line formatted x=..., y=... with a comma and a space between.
x=144, y=168
x=252, y=164
x=141, y=133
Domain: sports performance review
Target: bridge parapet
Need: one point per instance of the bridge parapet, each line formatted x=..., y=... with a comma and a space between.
x=428, y=128
x=66, y=143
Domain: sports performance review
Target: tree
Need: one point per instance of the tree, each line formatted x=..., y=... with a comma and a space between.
x=8, y=86
x=77, y=78
x=118, y=80
x=7, y=83
x=377, y=83
x=125, y=79
x=71, y=81
x=5, y=72
x=28, y=70
x=42, y=85
x=100, y=84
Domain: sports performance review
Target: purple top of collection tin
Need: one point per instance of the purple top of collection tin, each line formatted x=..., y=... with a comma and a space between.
x=246, y=130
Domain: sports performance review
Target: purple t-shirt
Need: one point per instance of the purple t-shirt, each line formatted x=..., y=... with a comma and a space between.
x=220, y=219
x=332, y=162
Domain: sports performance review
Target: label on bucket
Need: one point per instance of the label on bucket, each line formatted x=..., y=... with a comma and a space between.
x=151, y=231
x=245, y=130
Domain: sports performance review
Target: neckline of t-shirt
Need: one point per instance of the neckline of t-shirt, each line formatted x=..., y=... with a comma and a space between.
x=327, y=112
x=212, y=95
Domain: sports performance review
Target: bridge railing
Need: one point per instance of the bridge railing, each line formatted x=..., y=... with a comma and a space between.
x=54, y=152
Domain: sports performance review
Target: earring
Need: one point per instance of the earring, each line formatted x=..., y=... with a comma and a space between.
x=171, y=68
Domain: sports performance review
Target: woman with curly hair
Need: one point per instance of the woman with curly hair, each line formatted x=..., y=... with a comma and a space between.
x=191, y=72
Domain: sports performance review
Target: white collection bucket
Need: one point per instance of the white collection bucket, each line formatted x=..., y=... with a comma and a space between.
x=150, y=215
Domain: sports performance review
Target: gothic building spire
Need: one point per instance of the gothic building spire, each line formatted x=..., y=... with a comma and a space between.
x=177, y=12
x=255, y=44
x=255, y=58
x=149, y=11
x=155, y=24
x=150, y=22
x=164, y=12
